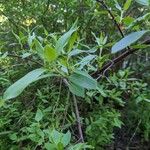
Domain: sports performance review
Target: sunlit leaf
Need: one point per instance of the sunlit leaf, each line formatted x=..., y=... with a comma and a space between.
x=127, y=4
x=72, y=41
x=50, y=54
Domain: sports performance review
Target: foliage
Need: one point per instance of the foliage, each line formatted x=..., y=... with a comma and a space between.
x=60, y=85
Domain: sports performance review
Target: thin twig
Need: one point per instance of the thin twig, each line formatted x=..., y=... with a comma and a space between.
x=78, y=118
x=134, y=133
x=115, y=61
x=66, y=109
x=118, y=59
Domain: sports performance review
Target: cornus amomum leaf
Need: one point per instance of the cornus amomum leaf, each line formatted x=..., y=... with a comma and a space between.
x=17, y=88
x=128, y=40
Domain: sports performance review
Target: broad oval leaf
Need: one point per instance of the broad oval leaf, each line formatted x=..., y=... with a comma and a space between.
x=17, y=88
x=128, y=40
x=83, y=79
x=50, y=54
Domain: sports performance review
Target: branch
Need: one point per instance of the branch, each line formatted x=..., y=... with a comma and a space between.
x=117, y=59
x=128, y=51
x=112, y=16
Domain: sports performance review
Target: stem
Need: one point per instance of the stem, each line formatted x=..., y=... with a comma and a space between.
x=116, y=60
x=58, y=99
x=78, y=118
x=134, y=134
x=66, y=109
x=77, y=114
x=112, y=16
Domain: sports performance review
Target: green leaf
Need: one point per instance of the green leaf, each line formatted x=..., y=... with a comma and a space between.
x=85, y=61
x=39, y=48
x=80, y=146
x=143, y=2
x=50, y=146
x=56, y=136
x=117, y=123
x=13, y=137
x=72, y=41
x=77, y=90
x=66, y=139
x=50, y=54
x=31, y=39
x=17, y=88
x=78, y=51
x=39, y=115
x=128, y=40
x=64, y=39
x=2, y=102
x=127, y=5
x=117, y=5
x=83, y=79
x=139, y=20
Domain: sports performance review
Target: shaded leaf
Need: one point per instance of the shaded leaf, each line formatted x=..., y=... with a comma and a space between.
x=66, y=139
x=77, y=90
x=39, y=115
x=83, y=79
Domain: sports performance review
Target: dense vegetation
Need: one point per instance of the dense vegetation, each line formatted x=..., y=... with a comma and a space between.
x=74, y=74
